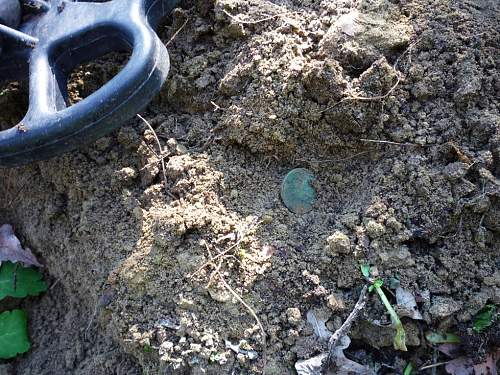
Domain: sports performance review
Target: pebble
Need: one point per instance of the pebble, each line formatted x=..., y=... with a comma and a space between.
x=267, y=219
x=335, y=302
x=186, y=304
x=219, y=295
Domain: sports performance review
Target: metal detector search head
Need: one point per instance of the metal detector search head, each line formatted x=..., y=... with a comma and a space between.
x=52, y=38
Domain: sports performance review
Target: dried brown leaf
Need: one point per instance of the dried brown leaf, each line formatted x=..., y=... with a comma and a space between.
x=465, y=366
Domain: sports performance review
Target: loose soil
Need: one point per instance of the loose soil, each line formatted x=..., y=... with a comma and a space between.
x=396, y=114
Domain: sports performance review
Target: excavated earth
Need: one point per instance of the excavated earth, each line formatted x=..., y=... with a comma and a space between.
x=392, y=104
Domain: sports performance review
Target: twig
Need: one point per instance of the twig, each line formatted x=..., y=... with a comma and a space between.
x=344, y=329
x=91, y=320
x=221, y=254
x=217, y=107
x=54, y=284
x=390, y=142
x=434, y=360
x=334, y=160
x=238, y=20
x=158, y=156
x=434, y=365
x=176, y=33
x=252, y=312
x=353, y=96
x=240, y=300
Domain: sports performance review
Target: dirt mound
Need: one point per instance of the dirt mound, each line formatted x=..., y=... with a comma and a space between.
x=391, y=104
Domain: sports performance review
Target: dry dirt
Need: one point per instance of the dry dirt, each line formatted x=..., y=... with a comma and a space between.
x=396, y=114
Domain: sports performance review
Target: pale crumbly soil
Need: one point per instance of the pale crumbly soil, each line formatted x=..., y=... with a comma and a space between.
x=278, y=85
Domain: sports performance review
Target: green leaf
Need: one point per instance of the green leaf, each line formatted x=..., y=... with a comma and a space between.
x=409, y=369
x=13, y=333
x=365, y=270
x=484, y=318
x=399, y=340
x=378, y=283
x=442, y=338
x=19, y=282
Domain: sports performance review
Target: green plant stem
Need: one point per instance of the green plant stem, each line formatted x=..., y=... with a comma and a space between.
x=399, y=339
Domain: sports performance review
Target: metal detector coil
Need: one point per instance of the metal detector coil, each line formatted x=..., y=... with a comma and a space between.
x=43, y=41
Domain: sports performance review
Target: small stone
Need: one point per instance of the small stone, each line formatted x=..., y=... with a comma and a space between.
x=335, y=302
x=374, y=229
x=281, y=229
x=338, y=242
x=456, y=170
x=442, y=307
x=376, y=209
x=267, y=219
x=186, y=304
x=294, y=316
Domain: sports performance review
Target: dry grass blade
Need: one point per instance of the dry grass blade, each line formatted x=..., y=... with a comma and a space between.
x=354, y=96
x=159, y=155
x=224, y=253
x=240, y=300
x=177, y=32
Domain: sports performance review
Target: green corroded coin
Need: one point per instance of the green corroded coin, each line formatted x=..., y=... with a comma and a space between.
x=297, y=193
